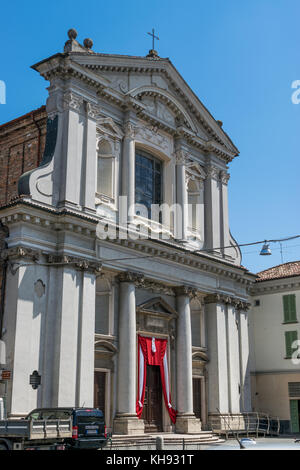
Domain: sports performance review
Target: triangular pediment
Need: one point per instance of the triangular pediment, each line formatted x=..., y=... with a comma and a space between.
x=161, y=75
x=135, y=81
x=157, y=305
x=108, y=126
x=195, y=170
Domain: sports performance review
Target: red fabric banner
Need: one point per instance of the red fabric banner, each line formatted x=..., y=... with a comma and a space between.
x=153, y=351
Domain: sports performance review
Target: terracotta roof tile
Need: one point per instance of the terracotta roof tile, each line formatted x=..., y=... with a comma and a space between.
x=277, y=272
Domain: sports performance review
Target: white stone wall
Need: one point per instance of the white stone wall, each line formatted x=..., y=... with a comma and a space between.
x=268, y=332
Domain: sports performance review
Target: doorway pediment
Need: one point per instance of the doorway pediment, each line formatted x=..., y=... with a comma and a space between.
x=157, y=306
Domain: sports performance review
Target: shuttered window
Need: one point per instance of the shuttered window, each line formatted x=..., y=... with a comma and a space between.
x=289, y=308
x=290, y=337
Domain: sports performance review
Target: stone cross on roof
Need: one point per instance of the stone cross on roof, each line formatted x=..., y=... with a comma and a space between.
x=153, y=37
x=153, y=52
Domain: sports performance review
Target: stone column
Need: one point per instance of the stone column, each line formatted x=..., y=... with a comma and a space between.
x=225, y=233
x=181, y=197
x=186, y=421
x=126, y=421
x=89, y=175
x=244, y=360
x=212, y=209
x=128, y=171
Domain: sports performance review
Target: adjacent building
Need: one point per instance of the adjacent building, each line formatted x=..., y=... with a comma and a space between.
x=275, y=344
x=122, y=286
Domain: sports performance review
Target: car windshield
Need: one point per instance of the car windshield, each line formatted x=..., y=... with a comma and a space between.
x=49, y=414
x=86, y=419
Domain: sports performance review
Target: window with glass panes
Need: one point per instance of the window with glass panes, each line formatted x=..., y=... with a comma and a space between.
x=290, y=338
x=148, y=180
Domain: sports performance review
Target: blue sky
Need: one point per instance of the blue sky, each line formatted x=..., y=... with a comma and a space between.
x=239, y=57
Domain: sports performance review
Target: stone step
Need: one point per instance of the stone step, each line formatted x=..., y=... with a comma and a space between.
x=170, y=440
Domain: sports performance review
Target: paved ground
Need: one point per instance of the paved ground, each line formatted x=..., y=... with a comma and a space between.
x=270, y=443
x=178, y=442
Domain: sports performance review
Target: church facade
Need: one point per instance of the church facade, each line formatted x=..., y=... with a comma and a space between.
x=123, y=285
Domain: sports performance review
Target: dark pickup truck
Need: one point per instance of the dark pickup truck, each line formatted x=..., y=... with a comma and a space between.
x=55, y=429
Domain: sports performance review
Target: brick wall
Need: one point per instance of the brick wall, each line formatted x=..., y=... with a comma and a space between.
x=22, y=143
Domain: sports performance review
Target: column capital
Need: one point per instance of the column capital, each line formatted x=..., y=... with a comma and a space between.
x=217, y=298
x=72, y=101
x=180, y=156
x=188, y=291
x=20, y=252
x=92, y=110
x=129, y=276
x=224, y=177
x=129, y=130
x=212, y=171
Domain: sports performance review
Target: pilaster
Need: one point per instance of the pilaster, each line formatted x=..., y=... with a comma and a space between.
x=218, y=365
x=128, y=170
x=181, y=196
x=244, y=361
x=225, y=232
x=212, y=210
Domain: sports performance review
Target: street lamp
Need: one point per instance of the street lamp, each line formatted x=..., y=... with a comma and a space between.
x=265, y=250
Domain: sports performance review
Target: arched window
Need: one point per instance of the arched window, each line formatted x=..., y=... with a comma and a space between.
x=105, y=170
x=148, y=180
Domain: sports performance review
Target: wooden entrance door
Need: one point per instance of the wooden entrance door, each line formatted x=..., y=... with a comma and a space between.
x=100, y=391
x=152, y=411
x=197, y=396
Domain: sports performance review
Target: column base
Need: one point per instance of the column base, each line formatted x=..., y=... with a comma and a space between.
x=187, y=424
x=128, y=424
x=228, y=421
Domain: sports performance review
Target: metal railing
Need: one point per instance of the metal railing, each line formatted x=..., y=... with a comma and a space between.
x=254, y=423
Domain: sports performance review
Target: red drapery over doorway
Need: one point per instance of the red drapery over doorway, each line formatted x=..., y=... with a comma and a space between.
x=153, y=351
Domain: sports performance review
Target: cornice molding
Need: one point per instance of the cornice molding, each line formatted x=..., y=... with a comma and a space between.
x=275, y=286
x=22, y=211
x=81, y=264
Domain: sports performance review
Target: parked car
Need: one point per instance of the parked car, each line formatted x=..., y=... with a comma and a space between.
x=55, y=428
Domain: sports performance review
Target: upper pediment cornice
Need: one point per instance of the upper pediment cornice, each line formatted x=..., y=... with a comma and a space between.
x=86, y=67
x=164, y=66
